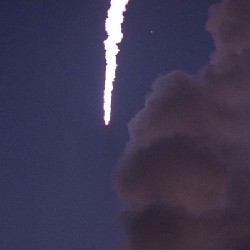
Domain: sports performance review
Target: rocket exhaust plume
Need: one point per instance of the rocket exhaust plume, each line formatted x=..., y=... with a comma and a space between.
x=113, y=27
x=184, y=177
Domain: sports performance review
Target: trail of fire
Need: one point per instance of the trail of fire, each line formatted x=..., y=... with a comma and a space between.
x=113, y=28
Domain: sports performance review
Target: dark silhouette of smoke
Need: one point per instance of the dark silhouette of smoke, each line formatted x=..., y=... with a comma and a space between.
x=185, y=174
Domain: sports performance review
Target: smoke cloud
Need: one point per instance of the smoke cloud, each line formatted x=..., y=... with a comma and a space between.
x=185, y=176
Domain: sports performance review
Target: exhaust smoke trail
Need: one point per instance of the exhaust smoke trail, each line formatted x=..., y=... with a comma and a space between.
x=184, y=176
x=113, y=29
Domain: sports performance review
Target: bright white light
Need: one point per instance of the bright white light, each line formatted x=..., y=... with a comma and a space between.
x=114, y=31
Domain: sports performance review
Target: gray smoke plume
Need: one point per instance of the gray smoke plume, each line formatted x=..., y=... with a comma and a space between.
x=185, y=173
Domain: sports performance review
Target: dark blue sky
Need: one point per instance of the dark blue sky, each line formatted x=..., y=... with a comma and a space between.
x=56, y=155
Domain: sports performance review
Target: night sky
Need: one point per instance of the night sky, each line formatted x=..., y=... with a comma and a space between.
x=57, y=157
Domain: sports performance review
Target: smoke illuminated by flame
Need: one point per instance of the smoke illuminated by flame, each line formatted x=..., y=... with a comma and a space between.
x=113, y=28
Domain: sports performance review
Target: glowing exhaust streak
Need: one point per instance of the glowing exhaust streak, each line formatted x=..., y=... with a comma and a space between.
x=114, y=31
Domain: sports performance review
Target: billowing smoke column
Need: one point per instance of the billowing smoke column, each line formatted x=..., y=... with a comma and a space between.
x=185, y=174
x=113, y=28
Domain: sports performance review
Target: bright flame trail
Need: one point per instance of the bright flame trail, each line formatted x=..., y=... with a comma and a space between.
x=114, y=31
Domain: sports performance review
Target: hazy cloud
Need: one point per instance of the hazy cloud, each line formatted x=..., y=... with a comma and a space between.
x=185, y=174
